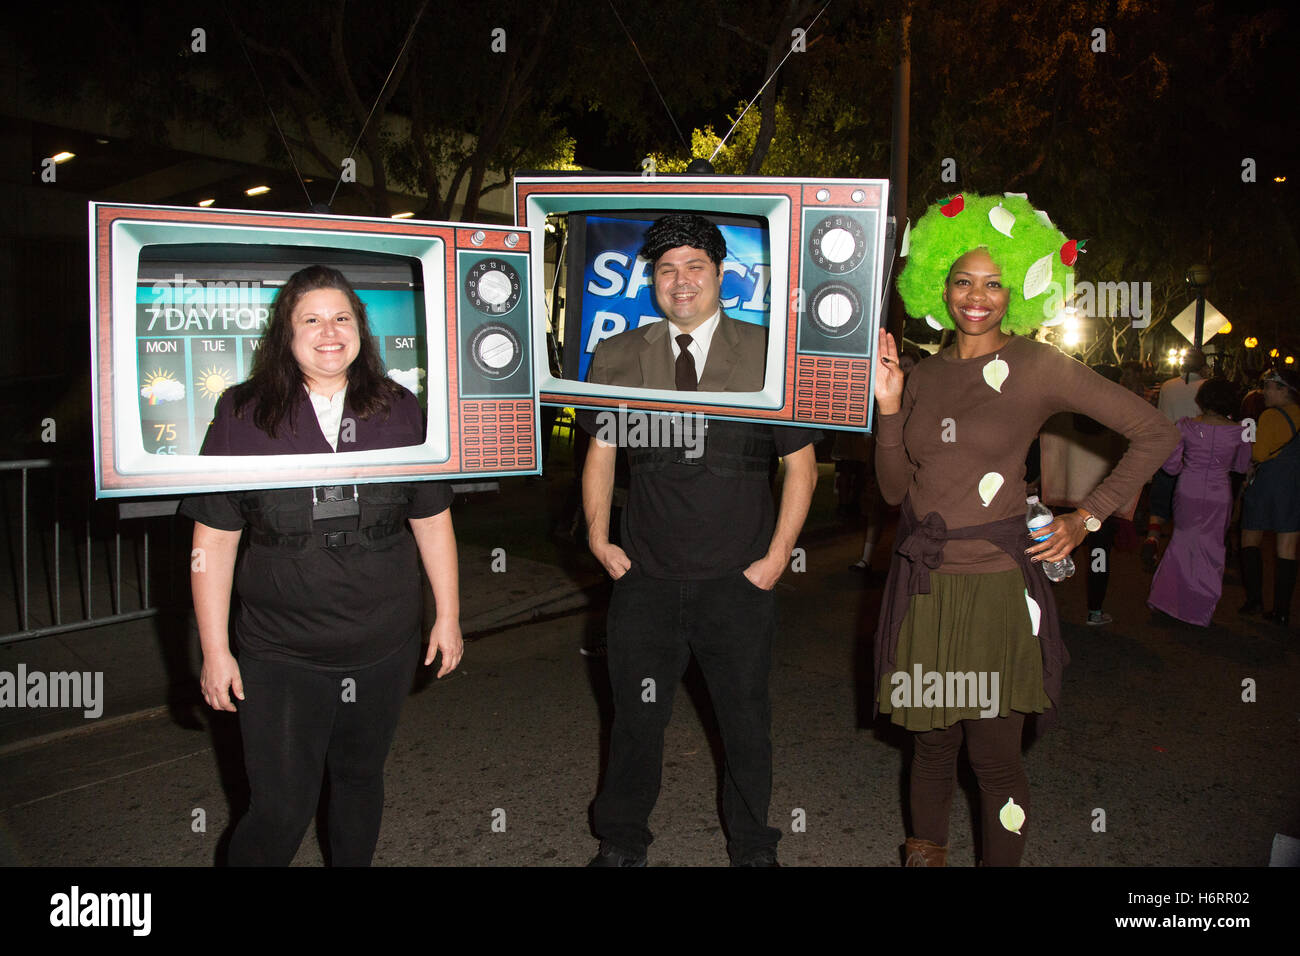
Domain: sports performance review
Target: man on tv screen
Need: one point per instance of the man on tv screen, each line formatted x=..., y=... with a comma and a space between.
x=702, y=546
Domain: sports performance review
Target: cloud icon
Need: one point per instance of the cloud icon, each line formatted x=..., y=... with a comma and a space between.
x=408, y=378
x=163, y=390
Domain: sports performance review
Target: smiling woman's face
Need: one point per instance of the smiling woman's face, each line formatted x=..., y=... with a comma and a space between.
x=325, y=339
x=976, y=298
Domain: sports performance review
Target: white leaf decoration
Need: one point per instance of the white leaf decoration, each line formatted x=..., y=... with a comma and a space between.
x=1012, y=816
x=1035, y=612
x=933, y=323
x=1002, y=220
x=1024, y=196
x=907, y=241
x=995, y=373
x=989, y=486
x=1039, y=276
x=1044, y=218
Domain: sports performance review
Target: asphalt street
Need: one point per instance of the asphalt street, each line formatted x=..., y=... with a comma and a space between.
x=1158, y=761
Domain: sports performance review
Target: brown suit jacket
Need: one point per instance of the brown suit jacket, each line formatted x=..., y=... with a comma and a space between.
x=644, y=357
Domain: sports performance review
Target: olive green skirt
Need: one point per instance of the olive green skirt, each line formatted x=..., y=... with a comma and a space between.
x=965, y=650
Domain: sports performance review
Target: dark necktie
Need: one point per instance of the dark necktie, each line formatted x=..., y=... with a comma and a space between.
x=687, y=381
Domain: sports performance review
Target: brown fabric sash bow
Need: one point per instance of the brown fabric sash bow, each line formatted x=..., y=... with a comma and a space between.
x=923, y=549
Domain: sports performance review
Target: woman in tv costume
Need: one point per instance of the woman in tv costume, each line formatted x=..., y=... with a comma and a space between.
x=966, y=594
x=328, y=626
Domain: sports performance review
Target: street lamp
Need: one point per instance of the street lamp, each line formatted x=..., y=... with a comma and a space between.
x=1072, y=334
x=1250, y=342
x=1198, y=277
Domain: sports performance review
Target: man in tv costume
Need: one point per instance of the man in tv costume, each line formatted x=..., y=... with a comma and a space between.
x=702, y=549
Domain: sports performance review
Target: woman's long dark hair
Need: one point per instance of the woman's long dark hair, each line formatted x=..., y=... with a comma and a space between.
x=276, y=384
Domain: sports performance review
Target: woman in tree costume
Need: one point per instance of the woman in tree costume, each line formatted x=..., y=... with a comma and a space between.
x=968, y=645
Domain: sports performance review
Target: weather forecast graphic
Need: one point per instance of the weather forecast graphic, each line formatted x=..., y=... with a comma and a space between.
x=190, y=349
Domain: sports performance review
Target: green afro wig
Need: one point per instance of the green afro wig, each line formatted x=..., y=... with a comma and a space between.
x=948, y=231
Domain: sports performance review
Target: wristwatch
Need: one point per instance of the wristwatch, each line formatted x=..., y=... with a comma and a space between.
x=1091, y=522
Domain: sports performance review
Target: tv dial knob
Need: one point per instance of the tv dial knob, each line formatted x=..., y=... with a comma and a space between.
x=836, y=309
x=837, y=244
x=492, y=286
x=496, y=350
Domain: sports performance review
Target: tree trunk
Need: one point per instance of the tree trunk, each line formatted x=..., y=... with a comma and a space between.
x=775, y=54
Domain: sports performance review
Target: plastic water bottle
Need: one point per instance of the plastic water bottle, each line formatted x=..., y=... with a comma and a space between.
x=1038, y=516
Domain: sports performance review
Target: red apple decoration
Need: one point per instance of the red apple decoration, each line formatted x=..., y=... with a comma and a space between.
x=953, y=206
x=1070, y=251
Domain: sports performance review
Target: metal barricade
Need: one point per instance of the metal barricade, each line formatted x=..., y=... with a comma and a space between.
x=56, y=537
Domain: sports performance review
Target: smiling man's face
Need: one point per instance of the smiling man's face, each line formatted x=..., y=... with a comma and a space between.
x=687, y=286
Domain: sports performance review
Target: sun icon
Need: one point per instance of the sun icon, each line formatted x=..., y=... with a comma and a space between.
x=161, y=385
x=213, y=381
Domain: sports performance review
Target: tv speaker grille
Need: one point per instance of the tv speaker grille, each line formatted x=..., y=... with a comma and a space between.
x=498, y=434
x=831, y=390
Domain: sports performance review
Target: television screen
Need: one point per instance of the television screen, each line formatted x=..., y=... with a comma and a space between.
x=616, y=291
x=201, y=310
x=180, y=298
x=805, y=260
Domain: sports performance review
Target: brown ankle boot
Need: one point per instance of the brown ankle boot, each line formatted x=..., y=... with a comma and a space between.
x=924, y=853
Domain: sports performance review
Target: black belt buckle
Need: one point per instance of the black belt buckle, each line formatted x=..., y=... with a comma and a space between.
x=337, y=539
x=699, y=431
x=332, y=501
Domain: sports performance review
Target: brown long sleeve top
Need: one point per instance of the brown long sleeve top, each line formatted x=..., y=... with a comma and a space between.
x=957, y=445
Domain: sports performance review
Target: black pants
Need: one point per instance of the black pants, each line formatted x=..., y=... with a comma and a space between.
x=1098, y=581
x=296, y=723
x=654, y=626
x=1162, y=495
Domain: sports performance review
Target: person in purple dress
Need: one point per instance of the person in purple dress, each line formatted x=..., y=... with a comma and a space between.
x=1189, y=580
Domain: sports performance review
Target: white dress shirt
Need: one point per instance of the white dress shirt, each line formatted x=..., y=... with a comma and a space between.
x=701, y=339
x=329, y=413
x=1178, y=398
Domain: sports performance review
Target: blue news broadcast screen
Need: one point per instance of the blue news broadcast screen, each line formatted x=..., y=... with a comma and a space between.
x=618, y=290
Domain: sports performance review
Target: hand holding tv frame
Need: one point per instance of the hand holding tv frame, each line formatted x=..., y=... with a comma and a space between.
x=810, y=262
x=180, y=296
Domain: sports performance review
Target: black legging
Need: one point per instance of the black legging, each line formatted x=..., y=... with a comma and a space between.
x=296, y=723
x=993, y=745
x=1098, y=581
